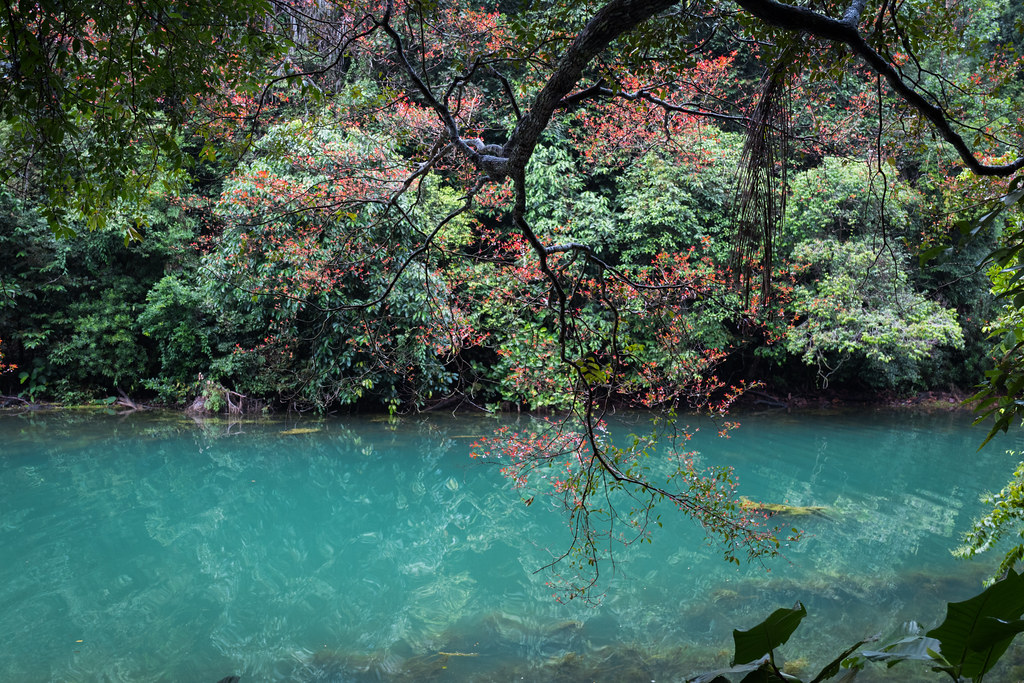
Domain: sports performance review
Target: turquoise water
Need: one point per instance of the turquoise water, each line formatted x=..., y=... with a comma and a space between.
x=155, y=548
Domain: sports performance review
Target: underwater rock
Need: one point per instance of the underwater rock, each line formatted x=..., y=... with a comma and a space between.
x=772, y=509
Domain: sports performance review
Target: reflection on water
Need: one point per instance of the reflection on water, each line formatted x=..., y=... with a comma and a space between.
x=153, y=548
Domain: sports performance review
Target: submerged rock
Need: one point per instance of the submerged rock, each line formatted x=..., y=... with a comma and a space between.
x=772, y=509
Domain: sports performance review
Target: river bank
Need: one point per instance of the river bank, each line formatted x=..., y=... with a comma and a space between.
x=953, y=400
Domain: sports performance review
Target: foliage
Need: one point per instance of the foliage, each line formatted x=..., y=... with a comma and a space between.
x=1005, y=518
x=966, y=645
x=73, y=308
x=26, y=276
x=562, y=204
x=845, y=199
x=313, y=310
x=606, y=491
x=999, y=396
x=180, y=323
x=670, y=204
x=98, y=342
x=858, y=306
x=87, y=81
x=770, y=634
x=976, y=632
x=5, y=367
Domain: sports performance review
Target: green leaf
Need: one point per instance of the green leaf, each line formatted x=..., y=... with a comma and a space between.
x=990, y=630
x=933, y=253
x=592, y=370
x=969, y=638
x=768, y=635
x=832, y=668
x=1013, y=197
x=719, y=674
x=912, y=648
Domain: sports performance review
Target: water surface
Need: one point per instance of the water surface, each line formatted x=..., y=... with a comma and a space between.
x=154, y=548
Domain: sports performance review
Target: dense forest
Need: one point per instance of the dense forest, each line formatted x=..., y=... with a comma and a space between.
x=309, y=238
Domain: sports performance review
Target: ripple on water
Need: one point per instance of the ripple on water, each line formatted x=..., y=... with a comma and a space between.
x=379, y=554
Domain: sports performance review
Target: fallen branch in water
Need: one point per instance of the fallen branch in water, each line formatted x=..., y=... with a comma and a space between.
x=781, y=509
x=127, y=402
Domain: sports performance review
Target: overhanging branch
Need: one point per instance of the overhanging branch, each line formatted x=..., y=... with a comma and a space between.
x=846, y=32
x=616, y=18
x=600, y=91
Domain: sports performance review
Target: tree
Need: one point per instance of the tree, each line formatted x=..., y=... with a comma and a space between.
x=95, y=96
x=861, y=310
x=647, y=31
x=470, y=95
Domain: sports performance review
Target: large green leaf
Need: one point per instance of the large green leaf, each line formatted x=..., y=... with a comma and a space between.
x=768, y=635
x=990, y=630
x=718, y=676
x=916, y=648
x=972, y=638
x=832, y=668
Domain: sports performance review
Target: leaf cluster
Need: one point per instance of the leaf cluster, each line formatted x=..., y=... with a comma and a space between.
x=965, y=646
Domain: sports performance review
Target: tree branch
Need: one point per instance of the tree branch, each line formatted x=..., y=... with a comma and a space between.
x=493, y=167
x=599, y=90
x=852, y=15
x=845, y=31
x=611, y=21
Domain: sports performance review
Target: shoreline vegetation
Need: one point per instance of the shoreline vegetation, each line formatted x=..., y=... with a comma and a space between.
x=346, y=251
x=754, y=401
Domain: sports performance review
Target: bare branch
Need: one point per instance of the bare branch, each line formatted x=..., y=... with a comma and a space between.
x=851, y=17
x=599, y=90
x=508, y=92
x=492, y=166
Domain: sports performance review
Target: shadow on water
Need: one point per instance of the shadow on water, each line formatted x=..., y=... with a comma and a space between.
x=503, y=646
x=499, y=646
